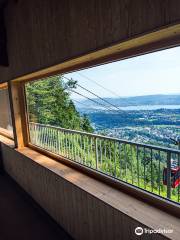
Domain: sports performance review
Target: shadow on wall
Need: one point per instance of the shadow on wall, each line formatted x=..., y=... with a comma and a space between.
x=1, y=162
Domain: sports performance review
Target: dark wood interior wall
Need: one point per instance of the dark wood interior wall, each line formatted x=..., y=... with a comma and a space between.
x=81, y=214
x=1, y=162
x=42, y=33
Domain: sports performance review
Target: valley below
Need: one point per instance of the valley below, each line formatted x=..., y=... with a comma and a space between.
x=155, y=127
x=151, y=122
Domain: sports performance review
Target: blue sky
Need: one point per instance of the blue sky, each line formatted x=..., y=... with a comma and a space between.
x=155, y=73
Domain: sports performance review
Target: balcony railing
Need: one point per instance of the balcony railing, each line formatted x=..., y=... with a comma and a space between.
x=145, y=166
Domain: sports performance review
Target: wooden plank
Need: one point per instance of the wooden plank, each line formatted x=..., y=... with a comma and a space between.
x=3, y=40
x=12, y=114
x=17, y=104
x=3, y=85
x=7, y=141
x=129, y=189
x=99, y=195
x=160, y=39
x=6, y=133
x=43, y=35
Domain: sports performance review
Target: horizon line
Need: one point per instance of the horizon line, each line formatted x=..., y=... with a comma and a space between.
x=131, y=96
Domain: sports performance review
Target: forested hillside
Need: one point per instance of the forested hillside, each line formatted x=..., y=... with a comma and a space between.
x=49, y=102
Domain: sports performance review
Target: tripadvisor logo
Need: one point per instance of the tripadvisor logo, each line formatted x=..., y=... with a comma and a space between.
x=139, y=231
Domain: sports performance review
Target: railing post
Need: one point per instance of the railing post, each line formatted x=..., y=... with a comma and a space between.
x=179, y=176
x=169, y=175
x=96, y=152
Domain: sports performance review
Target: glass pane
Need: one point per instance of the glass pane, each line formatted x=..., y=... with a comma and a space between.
x=5, y=117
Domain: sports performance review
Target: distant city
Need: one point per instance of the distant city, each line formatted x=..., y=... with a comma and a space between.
x=153, y=119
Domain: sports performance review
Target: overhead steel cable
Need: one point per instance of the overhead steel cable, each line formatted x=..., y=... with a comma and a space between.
x=87, y=107
x=74, y=100
x=104, y=100
x=92, y=100
x=108, y=90
x=90, y=79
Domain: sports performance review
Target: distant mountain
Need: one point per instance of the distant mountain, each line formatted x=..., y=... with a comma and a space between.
x=134, y=101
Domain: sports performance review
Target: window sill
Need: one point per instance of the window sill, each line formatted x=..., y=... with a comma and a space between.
x=142, y=212
x=6, y=140
x=6, y=133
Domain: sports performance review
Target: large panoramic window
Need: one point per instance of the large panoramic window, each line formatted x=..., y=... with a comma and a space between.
x=121, y=119
x=5, y=117
x=137, y=99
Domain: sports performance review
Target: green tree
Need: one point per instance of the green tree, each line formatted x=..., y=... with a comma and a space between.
x=85, y=124
x=49, y=102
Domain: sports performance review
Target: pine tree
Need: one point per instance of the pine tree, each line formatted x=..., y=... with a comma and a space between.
x=86, y=125
x=49, y=102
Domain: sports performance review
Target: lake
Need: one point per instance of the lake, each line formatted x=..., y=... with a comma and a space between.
x=150, y=107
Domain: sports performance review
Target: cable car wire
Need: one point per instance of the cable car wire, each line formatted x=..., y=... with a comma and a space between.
x=104, y=100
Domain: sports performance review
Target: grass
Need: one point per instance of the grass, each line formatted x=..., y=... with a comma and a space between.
x=83, y=149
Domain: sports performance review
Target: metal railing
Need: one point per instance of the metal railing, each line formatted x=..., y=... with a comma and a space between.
x=141, y=165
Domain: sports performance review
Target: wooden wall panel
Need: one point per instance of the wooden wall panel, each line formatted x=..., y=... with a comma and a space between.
x=81, y=214
x=45, y=33
x=3, y=40
x=1, y=161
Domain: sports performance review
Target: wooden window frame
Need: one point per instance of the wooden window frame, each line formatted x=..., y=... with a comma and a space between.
x=4, y=132
x=154, y=41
